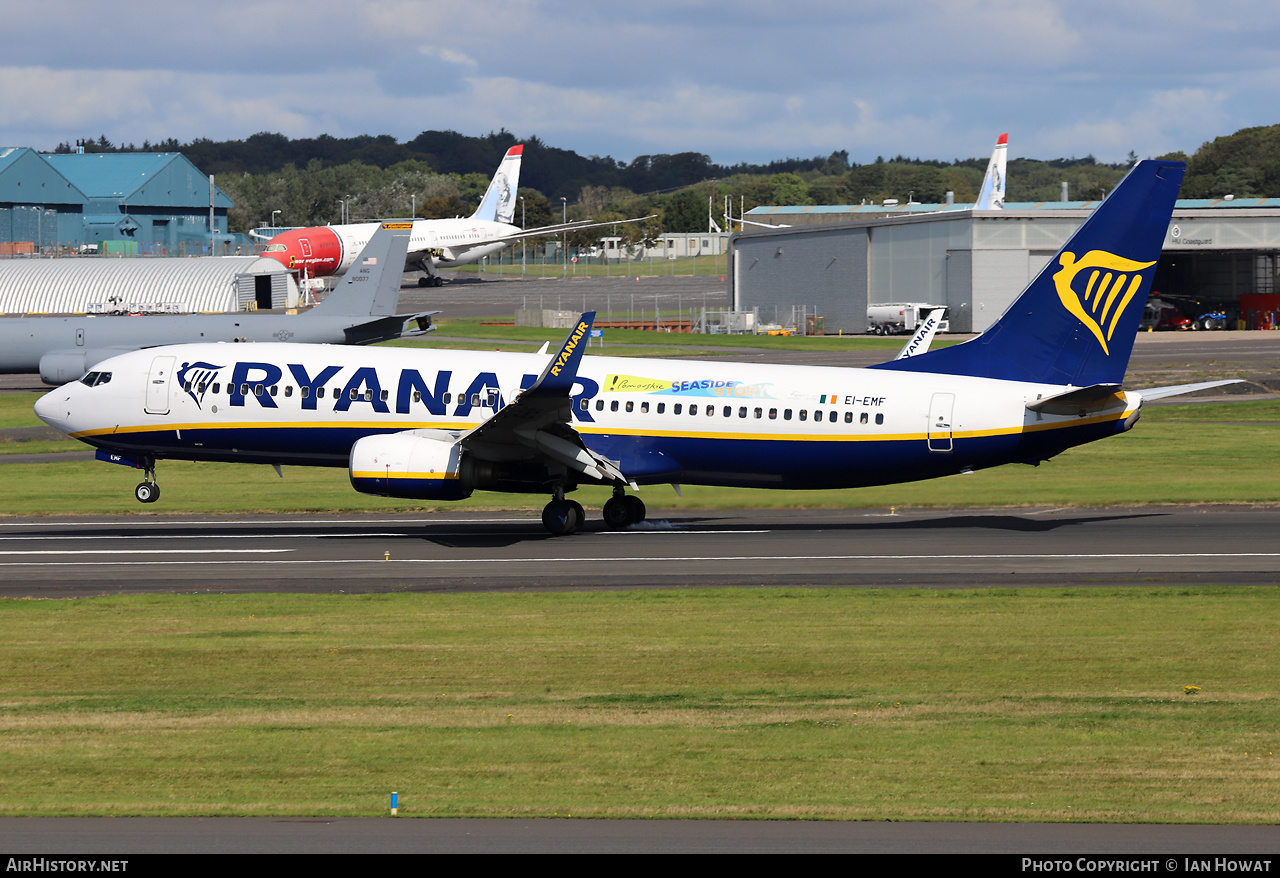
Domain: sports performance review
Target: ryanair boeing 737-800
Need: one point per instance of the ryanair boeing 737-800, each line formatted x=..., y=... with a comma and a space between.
x=438, y=424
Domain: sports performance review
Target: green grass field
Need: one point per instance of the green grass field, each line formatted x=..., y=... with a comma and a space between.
x=1037, y=705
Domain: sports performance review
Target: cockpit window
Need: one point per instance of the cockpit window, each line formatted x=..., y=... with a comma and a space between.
x=93, y=379
x=275, y=248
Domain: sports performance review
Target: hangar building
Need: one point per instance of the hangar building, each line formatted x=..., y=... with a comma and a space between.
x=160, y=201
x=1222, y=253
x=151, y=286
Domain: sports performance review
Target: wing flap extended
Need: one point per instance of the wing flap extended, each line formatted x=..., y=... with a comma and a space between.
x=539, y=417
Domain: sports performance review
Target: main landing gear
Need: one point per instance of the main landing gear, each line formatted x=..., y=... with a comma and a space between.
x=428, y=268
x=148, y=490
x=623, y=509
x=562, y=517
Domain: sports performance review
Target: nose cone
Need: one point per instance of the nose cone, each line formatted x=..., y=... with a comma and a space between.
x=53, y=409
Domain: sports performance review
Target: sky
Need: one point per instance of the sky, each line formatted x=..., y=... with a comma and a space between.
x=741, y=81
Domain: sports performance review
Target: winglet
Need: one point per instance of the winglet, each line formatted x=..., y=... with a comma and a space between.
x=558, y=377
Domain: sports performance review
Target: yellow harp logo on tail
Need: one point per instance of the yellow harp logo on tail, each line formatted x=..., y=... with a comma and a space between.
x=1110, y=283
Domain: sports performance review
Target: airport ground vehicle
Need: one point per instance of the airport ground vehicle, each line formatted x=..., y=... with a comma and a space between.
x=897, y=318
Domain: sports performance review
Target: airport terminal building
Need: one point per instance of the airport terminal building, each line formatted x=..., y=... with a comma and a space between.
x=836, y=260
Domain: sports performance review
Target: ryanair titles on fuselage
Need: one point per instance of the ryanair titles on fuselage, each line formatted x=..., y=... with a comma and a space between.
x=362, y=388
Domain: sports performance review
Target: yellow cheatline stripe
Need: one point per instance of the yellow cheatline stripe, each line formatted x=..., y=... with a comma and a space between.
x=376, y=476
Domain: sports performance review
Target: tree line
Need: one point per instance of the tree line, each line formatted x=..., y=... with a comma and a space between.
x=310, y=181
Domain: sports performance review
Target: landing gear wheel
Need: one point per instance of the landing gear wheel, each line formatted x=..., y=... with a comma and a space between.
x=579, y=512
x=616, y=514
x=424, y=281
x=562, y=517
x=635, y=508
x=437, y=281
x=147, y=492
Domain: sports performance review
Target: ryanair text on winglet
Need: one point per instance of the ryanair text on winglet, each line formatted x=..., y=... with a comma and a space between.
x=567, y=351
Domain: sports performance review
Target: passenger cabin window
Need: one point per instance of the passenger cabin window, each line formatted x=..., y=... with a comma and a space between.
x=879, y=419
x=631, y=406
x=862, y=419
x=728, y=411
x=613, y=406
x=447, y=398
x=773, y=414
x=675, y=408
x=786, y=414
x=832, y=417
x=848, y=417
x=662, y=407
x=304, y=392
x=742, y=412
x=759, y=413
x=693, y=408
x=644, y=408
x=583, y=405
x=804, y=414
x=599, y=405
x=288, y=390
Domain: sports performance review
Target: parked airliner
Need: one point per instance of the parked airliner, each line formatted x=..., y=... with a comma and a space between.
x=320, y=251
x=436, y=425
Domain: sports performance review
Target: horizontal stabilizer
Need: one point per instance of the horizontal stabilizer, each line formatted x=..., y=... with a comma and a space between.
x=1096, y=396
x=1179, y=389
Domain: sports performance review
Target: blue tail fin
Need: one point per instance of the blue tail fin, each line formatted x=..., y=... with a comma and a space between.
x=1075, y=322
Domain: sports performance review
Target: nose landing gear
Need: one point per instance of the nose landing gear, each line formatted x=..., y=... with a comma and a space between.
x=148, y=490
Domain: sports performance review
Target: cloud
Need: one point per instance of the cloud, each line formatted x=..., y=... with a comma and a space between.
x=751, y=80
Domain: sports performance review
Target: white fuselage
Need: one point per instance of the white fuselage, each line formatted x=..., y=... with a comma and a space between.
x=449, y=242
x=680, y=421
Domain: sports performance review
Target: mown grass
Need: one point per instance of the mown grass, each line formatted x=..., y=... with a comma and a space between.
x=1041, y=705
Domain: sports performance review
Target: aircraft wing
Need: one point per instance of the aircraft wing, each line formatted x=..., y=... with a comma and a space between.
x=547, y=231
x=540, y=419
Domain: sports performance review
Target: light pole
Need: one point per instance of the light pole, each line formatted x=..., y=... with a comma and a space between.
x=564, y=235
x=273, y=218
x=522, y=240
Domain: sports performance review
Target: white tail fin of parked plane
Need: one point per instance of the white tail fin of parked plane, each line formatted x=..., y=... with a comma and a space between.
x=499, y=203
x=992, y=195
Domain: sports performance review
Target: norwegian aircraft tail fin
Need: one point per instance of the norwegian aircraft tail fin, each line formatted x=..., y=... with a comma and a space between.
x=991, y=196
x=1075, y=322
x=499, y=202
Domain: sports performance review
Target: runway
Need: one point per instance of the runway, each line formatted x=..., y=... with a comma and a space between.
x=330, y=554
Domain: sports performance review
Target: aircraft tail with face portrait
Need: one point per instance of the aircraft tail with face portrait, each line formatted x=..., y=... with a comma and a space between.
x=1076, y=321
x=499, y=202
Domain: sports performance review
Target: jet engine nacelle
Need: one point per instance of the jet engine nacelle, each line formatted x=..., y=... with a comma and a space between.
x=410, y=465
x=62, y=367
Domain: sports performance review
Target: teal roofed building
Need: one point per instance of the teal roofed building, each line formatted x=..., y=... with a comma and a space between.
x=159, y=200
x=37, y=204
